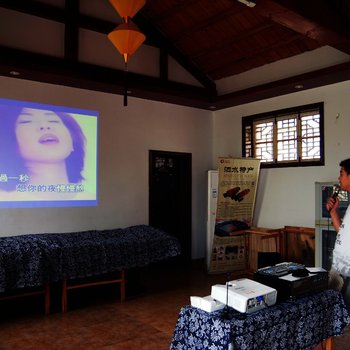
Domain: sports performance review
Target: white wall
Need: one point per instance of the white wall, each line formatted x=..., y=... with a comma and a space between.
x=287, y=196
x=126, y=134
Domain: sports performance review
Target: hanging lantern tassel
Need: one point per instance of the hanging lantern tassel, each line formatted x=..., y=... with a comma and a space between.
x=126, y=85
x=127, y=38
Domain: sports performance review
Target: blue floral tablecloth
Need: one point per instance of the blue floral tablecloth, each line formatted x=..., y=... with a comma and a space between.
x=292, y=325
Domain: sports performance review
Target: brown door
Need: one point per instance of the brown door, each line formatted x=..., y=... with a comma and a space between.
x=170, y=175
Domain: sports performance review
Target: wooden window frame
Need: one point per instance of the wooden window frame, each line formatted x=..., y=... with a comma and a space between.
x=248, y=122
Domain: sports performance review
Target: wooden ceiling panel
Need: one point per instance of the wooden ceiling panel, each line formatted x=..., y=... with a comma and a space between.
x=237, y=40
x=211, y=39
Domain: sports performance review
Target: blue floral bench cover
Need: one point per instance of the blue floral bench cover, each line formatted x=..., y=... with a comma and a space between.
x=37, y=259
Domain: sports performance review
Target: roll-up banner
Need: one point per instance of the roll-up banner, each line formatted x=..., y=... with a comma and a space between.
x=237, y=185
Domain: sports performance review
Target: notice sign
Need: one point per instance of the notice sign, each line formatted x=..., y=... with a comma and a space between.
x=238, y=179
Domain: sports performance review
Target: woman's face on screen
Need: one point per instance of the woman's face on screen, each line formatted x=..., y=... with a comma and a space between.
x=42, y=136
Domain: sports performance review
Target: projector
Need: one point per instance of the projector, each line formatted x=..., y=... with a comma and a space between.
x=244, y=295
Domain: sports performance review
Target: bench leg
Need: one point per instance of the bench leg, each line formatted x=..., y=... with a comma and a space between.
x=329, y=343
x=122, y=286
x=47, y=299
x=65, y=288
x=64, y=296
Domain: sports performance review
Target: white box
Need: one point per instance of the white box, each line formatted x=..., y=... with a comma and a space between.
x=206, y=303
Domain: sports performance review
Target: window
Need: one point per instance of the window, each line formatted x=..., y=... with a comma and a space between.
x=289, y=137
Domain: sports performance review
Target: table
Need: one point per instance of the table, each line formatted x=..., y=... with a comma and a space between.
x=292, y=325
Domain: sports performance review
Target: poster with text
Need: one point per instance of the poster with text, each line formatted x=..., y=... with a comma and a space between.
x=237, y=185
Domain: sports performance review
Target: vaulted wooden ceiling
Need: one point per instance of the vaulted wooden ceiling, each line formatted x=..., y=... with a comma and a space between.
x=211, y=39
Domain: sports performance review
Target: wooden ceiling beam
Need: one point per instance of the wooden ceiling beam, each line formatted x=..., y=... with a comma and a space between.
x=312, y=18
x=71, y=30
x=53, y=70
x=318, y=78
x=60, y=15
x=163, y=43
x=86, y=76
x=35, y=8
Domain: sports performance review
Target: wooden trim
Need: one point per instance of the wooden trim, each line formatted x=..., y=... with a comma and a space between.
x=19, y=294
x=310, y=231
x=76, y=285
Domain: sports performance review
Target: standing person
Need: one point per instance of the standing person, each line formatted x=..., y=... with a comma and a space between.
x=341, y=252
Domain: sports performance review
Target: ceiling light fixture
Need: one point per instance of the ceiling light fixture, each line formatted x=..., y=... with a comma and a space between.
x=249, y=3
x=126, y=37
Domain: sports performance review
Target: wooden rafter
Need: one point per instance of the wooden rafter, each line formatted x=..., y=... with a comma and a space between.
x=316, y=20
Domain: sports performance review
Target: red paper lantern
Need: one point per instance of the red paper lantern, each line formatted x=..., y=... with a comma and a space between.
x=127, y=8
x=127, y=39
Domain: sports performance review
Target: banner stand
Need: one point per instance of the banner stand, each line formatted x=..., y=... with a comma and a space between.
x=237, y=185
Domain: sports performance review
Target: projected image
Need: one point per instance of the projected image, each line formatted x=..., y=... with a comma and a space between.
x=48, y=155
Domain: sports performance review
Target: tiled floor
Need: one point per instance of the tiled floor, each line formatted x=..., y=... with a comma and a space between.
x=146, y=320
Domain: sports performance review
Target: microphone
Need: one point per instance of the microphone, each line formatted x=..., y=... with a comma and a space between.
x=336, y=189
